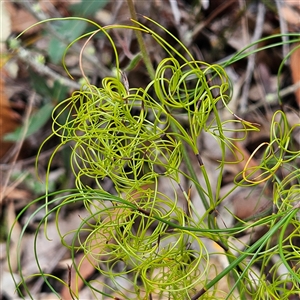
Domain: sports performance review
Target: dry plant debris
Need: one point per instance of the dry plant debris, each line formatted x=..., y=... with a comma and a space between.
x=212, y=30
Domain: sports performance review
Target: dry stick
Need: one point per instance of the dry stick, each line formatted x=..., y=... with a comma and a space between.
x=245, y=28
x=69, y=281
x=28, y=58
x=9, y=189
x=283, y=29
x=272, y=98
x=27, y=161
x=52, y=265
x=117, y=7
x=213, y=15
x=176, y=11
x=251, y=59
x=41, y=16
x=18, y=148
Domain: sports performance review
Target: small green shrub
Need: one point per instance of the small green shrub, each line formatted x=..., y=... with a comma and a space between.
x=137, y=136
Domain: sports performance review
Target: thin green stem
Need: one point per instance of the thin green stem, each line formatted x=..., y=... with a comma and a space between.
x=191, y=170
x=255, y=248
x=141, y=43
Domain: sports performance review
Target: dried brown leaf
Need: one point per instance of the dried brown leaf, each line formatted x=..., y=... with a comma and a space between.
x=293, y=3
x=20, y=18
x=290, y=15
x=19, y=197
x=9, y=120
x=295, y=68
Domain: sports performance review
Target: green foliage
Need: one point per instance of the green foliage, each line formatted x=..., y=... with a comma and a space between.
x=133, y=136
x=36, y=121
x=71, y=29
x=87, y=9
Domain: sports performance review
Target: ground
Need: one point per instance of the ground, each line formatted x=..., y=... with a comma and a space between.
x=36, y=77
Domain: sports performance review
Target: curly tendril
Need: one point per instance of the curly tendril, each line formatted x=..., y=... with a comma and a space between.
x=141, y=241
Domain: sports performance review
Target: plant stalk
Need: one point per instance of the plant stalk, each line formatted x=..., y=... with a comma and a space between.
x=141, y=43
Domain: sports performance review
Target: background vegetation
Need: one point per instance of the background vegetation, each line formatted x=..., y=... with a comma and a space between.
x=169, y=166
